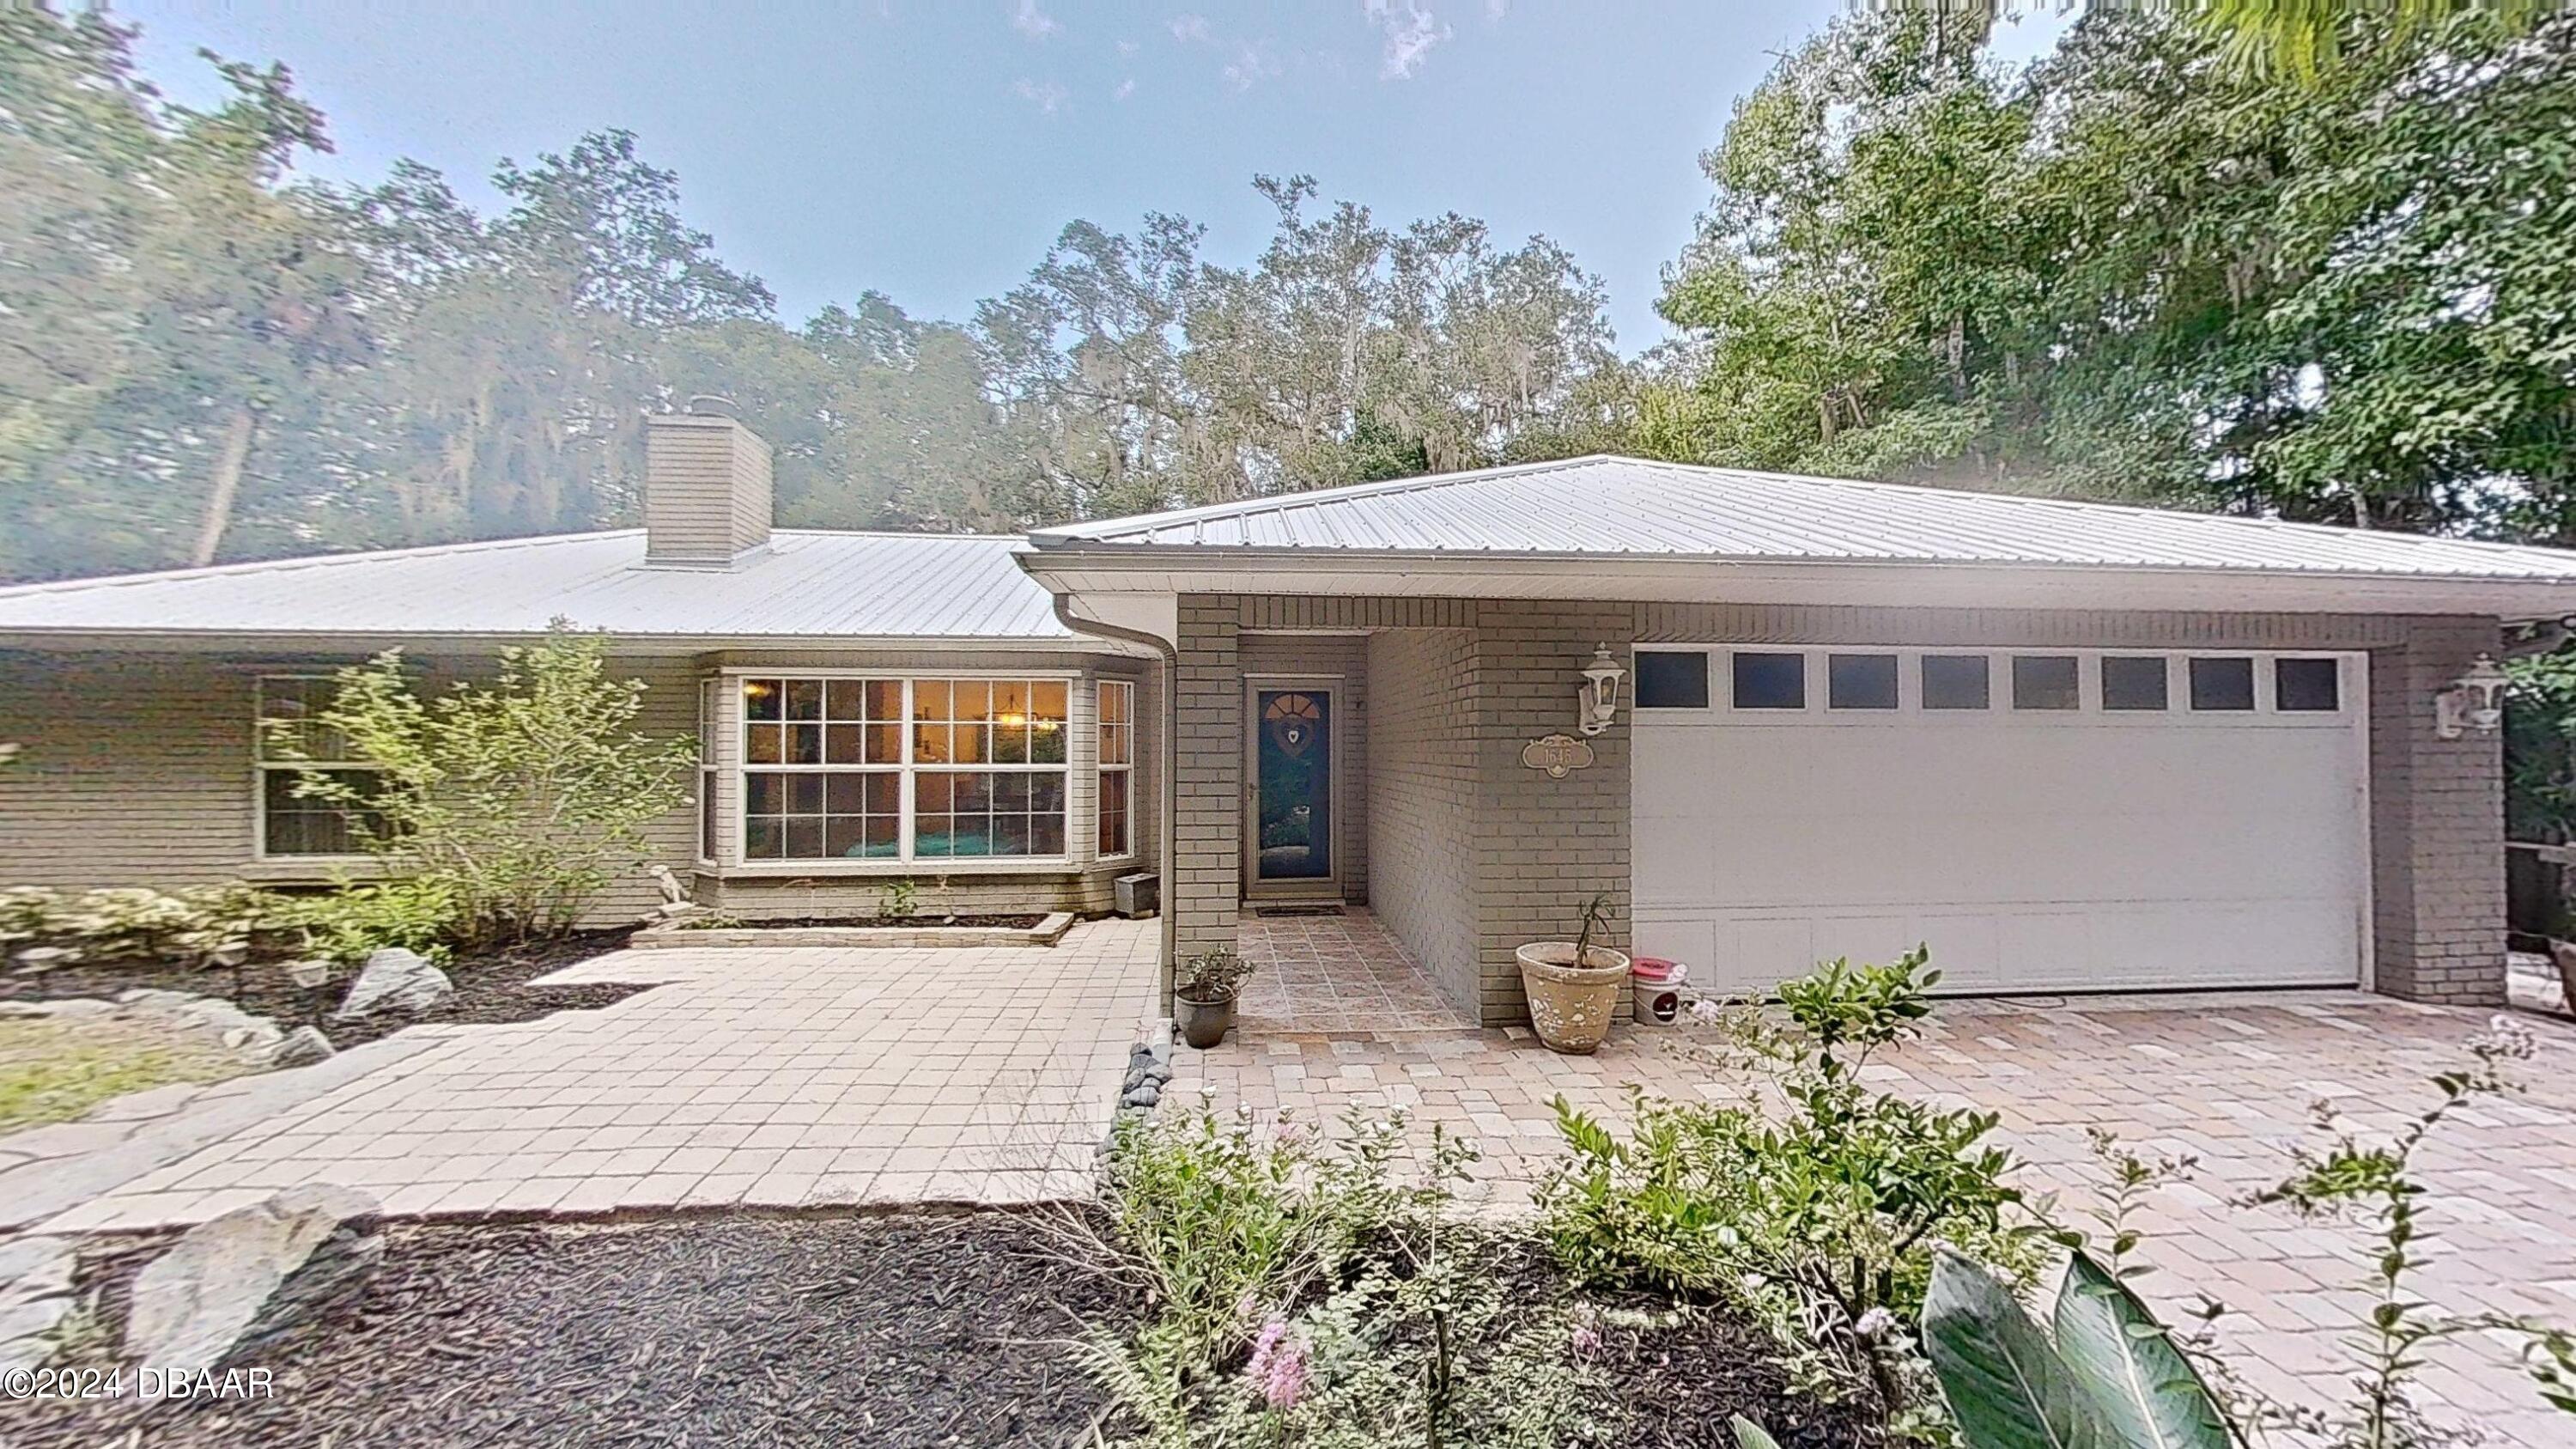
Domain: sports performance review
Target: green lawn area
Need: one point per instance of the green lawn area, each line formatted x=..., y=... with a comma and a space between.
x=53, y=1071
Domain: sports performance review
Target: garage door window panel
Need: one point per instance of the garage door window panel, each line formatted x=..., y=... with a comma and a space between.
x=2307, y=686
x=1860, y=681
x=2222, y=684
x=1770, y=681
x=1957, y=681
x=1672, y=679
x=2045, y=682
x=2134, y=682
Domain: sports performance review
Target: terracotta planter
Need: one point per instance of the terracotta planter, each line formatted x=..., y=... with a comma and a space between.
x=1203, y=1023
x=2564, y=954
x=1571, y=1002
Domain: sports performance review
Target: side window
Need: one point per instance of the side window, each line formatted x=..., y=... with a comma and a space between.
x=1672, y=679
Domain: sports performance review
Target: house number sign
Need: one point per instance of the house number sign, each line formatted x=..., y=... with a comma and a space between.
x=1558, y=755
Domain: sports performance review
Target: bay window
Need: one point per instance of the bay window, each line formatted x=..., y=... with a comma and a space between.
x=904, y=769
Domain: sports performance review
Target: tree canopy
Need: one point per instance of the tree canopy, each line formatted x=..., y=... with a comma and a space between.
x=2140, y=269
x=204, y=357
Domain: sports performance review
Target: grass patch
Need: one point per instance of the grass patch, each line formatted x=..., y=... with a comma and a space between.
x=54, y=1071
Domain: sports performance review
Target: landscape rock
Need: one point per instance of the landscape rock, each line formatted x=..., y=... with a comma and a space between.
x=302, y=1048
x=253, y=1275
x=45, y=958
x=1144, y=1096
x=35, y=1297
x=396, y=978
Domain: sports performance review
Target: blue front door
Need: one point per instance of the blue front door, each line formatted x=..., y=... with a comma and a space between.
x=1293, y=785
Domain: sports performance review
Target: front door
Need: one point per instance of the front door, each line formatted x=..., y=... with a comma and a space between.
x=1289, y=807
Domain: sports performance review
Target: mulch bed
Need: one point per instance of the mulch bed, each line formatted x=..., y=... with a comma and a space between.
x=491, y=987
x=913, y=1330
x=1685, y=1382
x=916, y=922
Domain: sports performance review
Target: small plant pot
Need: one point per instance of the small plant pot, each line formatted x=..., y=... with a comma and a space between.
x=1203, y=1023
x=1570, y=1001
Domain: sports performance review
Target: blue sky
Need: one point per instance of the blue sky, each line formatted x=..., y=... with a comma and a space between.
x=932, y=150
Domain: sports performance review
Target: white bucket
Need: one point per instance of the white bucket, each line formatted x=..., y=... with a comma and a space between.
x=1659, y=1002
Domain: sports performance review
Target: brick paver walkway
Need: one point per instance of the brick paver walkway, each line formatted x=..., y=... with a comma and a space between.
x=2227, y=1078
x=1333, y=973
x=778, y=1078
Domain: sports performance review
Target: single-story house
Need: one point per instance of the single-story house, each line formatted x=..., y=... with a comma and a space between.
x=2072, y=746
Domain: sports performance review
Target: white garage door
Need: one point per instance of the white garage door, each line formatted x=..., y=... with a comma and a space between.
x=2045, y=822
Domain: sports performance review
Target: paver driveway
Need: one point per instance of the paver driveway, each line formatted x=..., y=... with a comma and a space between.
x=776, y=1078
x=2227, y=1078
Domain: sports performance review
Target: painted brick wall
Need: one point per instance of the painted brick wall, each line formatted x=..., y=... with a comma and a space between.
x=137, y=771
x=1543, y=846
x=2437, y=825
x=1202, y=889
x=1424, y=788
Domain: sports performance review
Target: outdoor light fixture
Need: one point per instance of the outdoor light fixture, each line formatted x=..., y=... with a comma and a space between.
x=1600, y=691
x=2474, y=701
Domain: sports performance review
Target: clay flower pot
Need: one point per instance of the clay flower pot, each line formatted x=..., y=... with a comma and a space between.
x=1571, y=1001
x=1203, y=1023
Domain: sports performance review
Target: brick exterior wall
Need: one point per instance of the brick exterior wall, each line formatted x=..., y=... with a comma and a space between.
x=1505, y=671
x=1426, y=788
x=137, y=770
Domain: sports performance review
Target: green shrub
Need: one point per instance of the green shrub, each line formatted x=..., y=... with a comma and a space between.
x=1302, y=1296
x=1818, y=1206
x=349, y=924
x=526, y=798
x=204, y=925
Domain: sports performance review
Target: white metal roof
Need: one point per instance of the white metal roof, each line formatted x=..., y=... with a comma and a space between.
x=804, y=586
x=1631, y=508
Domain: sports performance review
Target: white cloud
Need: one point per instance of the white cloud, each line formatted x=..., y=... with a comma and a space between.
x=1034, y=23
x=1190, y=29
x=1049, y=96
x=1128, y=47
x=1496, y=9
x=1252, y=64
x=1125, y=89
x=1410, y=32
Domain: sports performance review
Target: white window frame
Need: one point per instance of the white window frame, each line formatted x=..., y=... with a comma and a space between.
x=2351, y=689
x=261, y=767
x=736, y=766
x=711, y=817
x=1126, y=773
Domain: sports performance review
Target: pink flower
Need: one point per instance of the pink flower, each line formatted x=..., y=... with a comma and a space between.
x=1587, y=1340
x=1278, y=1367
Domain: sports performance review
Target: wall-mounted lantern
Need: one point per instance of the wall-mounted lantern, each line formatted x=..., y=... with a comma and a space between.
x=1600, y=691
x=2473, y=702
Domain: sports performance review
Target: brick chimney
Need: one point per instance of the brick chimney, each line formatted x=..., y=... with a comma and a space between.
x=706, y=489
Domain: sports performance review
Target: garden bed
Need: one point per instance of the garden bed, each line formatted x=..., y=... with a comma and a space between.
x=491, y=987
x=912, y=1329
x=898, y=931
x=744, y=1331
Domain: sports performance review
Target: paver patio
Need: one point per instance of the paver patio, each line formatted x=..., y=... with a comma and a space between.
x=2226, y=1078
x=771, y=1078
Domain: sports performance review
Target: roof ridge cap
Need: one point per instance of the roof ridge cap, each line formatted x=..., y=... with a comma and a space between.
x=1318, y=497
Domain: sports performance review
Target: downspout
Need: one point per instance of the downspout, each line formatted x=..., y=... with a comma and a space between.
x=1166, y=788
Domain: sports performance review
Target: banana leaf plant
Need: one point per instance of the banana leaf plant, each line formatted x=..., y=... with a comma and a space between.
x=2101, y=1374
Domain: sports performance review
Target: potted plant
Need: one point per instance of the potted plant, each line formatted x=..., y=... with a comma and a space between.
x=1203, y=992
x=1573, y=986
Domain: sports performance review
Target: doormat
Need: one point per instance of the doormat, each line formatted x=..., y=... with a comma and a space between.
x=1320, y=908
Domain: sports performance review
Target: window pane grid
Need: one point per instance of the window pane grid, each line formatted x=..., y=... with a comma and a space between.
x=895, y=769
x=290, y=741
x=1117, y=761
